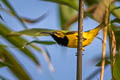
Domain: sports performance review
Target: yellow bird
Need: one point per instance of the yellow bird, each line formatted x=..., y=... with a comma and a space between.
x=70, y=39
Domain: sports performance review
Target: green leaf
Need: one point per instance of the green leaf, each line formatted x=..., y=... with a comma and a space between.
x=4, y=64
x=116, y=30
x=90, y=3
x=67, y=12
x=6, y=46
x=15, y=67
x=115, y=12
x=17, y=42
x=24, y=19
x=100, y=62
x=13, y=12
x=115, y=20
x=2, y=78
x=34, y=32
x=1, y=18
x=31, y=21
x=116, y=68
x=48, y=59
x=116, y=8
x=69, y=3
x=42, y=42
x=96, y=9
x=31, y=32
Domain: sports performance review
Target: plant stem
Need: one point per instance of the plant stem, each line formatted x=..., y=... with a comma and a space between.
x=112, y=48
x=103, y=53
x=106, y=19
x=80, y=37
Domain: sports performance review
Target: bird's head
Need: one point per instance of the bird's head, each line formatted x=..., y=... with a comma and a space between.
x=58, y=34
x=59, y=37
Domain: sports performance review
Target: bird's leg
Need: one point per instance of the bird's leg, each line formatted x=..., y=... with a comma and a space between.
x=83, y=49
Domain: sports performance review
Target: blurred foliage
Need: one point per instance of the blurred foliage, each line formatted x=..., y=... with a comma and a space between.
x=42, y=42
x=68, y=15
x=100, y=62
x=2, y=78
x=30, y=32
x=116, y=68
x=69, y=3
x=13, y=12
x=13, y=65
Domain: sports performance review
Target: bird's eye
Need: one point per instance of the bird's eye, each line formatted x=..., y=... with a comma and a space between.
x=56, y=32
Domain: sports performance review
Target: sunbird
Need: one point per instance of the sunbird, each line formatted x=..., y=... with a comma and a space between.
x=70, y=39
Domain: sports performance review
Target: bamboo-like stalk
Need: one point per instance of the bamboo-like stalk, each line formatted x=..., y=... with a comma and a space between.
x=112, y=48
x=80, y=36
x=104, y=44
x=103, y=52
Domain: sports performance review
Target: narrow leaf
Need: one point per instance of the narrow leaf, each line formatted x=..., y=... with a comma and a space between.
x=100, y=62
x=116, y=20
x=24, y=19
x=69, y=3
x=42, y=42
x=115, y=12
x=15, y=67
x=115, y=8
x=6, y=46
x=1, y=18
x=70, y=21
x=116, y=68
x=4, y=64
x=66, y=14
x=17, y=42
x=3, y=78
x=47, y=58
x=31, y=21
x=13, y=12
x=31, y=32
x=94, y=74
x=116, y=30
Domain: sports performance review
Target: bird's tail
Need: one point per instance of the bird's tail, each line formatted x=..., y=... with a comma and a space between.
x=98, y=28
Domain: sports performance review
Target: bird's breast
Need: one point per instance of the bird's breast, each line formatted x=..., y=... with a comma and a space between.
x=72, y=40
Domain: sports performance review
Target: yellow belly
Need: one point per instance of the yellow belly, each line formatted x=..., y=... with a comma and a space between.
x=73, y=39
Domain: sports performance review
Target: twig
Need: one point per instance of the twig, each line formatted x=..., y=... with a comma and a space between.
x=80, y=36
x=104, y=44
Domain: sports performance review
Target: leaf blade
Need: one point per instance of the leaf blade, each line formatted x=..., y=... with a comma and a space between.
x=42, y=42
x=15, y=67
x=116, y=68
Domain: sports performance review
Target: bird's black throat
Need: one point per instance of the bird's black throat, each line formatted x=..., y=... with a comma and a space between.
x=61, y=41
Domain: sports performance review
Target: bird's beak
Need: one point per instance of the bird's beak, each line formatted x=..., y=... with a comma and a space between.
x=46, y=33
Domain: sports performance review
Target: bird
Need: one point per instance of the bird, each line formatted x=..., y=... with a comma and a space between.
x=70, y=38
